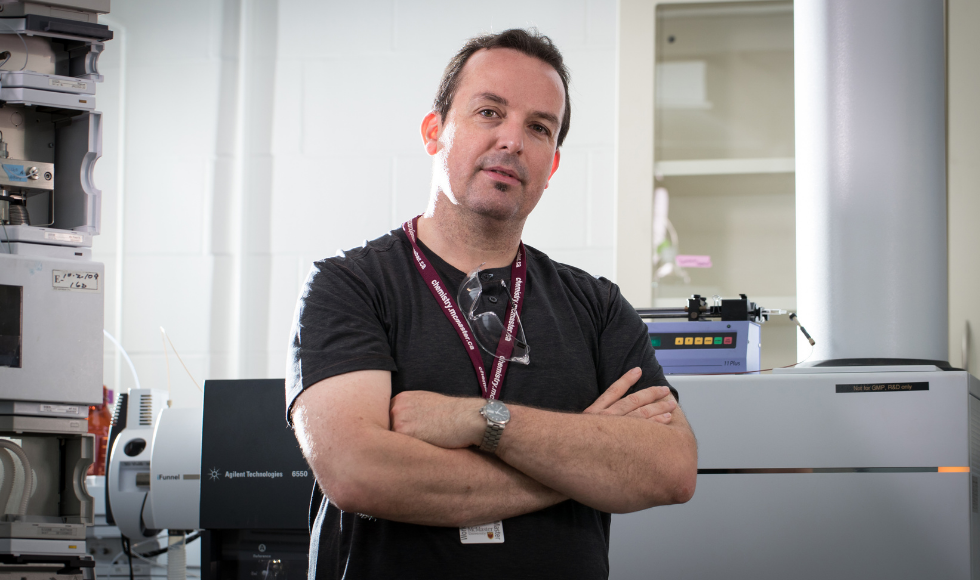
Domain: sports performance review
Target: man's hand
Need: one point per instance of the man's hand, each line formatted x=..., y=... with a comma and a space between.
x=656, y=403
x=447, y=422
x=454, y=422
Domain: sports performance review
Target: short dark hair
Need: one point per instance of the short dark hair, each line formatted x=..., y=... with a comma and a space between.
x=530, y=42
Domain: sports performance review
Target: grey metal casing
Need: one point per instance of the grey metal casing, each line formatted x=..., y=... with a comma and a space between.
x=78, y=202
x=44, y=409
x=901, y=524
x=44, y=98
x=47, y=82
x=60, y=506
x=34, y=424
x=79, y=206
x=41, y=57
x=36, y=236
x=81, y=10
x=41, y=124
x=62, y=329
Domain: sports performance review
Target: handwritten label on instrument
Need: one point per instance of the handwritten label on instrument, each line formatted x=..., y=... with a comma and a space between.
x=76, y=281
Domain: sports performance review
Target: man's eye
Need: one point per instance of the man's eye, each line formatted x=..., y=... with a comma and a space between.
x=488, y=113
x=540, y=129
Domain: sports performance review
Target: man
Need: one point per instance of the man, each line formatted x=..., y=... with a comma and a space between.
x=384, y=385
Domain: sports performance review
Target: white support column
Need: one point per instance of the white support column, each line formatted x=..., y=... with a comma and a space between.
x=871, y=178
x=634, y=150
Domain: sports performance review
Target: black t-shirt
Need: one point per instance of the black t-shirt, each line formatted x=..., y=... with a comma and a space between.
x=370, y=309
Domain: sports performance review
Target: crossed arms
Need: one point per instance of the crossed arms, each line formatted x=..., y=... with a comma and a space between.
x=411, y=459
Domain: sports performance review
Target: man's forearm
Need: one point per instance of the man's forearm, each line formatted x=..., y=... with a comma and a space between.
x=396, y=477
x=342, y=425
x=611, y=461
x=614, y=464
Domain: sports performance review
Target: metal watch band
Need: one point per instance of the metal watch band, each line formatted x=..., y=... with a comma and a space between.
x=491, y=437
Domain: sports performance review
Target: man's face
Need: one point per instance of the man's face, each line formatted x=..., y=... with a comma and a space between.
x=497, y=148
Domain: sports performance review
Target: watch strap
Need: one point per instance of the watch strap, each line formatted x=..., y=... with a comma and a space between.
x=491, y=437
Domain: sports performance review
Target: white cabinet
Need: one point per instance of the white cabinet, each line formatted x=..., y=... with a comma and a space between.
x=717, y=81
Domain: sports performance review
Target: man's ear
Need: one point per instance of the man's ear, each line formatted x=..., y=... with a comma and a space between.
x=431, y=127
x=554, y=167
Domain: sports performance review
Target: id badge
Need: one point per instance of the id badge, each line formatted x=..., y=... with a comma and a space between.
x=492, y=533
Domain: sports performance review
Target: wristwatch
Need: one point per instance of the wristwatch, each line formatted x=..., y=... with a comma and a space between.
x=497, y=415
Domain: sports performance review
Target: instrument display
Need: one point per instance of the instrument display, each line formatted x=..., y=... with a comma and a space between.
x=700, y=340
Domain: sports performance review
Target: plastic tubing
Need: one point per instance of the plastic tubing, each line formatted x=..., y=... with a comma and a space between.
x=7, y=482
x=125, y=354
x=28, y=473
x=27, y=51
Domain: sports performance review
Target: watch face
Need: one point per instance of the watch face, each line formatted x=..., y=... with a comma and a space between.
x=496, y=411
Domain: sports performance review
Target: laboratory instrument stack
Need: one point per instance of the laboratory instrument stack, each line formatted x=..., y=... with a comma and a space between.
x=51, y=292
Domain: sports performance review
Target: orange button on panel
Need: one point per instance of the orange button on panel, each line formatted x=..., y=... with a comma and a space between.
x=688, y=340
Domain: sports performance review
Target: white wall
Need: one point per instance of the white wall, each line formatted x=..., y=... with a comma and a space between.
x=255, y=136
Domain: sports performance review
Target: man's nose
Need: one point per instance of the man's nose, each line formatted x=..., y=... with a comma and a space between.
x=510, y=136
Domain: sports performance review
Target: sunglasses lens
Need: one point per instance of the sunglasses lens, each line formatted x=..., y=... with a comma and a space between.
x=487, y=327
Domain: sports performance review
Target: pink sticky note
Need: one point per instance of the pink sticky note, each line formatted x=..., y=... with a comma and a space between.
x=688, y=261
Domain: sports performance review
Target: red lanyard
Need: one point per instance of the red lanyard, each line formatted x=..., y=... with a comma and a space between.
x=505, y=347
